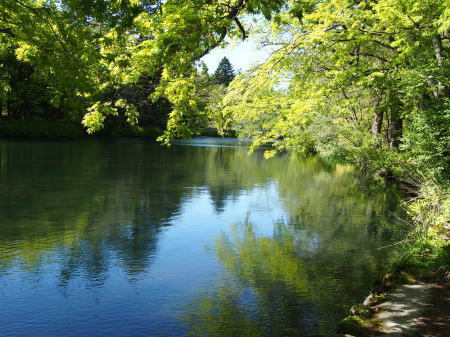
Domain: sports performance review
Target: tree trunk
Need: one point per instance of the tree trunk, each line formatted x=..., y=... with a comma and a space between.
x=377, y=123
x=395, y=129
x=438, y=50
x=378, y=120
x=439, y=89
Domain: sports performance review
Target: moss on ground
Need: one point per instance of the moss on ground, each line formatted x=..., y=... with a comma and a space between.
x=358, y=326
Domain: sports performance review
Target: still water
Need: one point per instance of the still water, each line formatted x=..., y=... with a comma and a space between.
x=124, y=237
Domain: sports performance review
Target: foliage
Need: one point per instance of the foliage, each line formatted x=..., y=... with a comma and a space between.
x=427, y=250
x=426, y=142
x=38, y=128
x=23, y=93
x=210, y=93
x=84, y=48
x=31, y=128
x=428, y=257
x=342, y=64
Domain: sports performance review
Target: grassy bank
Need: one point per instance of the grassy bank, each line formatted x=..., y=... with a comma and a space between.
x=36, y=128
x=425, y=251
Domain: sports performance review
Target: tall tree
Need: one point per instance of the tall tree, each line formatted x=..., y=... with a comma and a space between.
x=224, y=73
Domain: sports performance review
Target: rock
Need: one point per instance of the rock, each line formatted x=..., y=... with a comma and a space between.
x=387, y=283
x=369, y=300
x=354, y=310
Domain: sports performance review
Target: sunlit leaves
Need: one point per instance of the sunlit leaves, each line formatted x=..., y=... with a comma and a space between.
x=342, y=62
x=94, y=119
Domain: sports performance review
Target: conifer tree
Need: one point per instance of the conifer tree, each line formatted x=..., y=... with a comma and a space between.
x=203, y=68
x=224, y=73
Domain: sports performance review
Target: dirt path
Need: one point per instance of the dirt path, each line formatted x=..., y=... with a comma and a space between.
x=402, y=312
x=416, y=310
x=436, y=318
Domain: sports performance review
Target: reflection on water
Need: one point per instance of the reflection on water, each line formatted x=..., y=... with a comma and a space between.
x=124, y=237
x=290, y=290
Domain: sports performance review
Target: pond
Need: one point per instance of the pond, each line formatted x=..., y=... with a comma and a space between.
x=124, y=237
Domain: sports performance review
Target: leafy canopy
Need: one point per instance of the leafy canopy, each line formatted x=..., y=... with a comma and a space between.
x=86, y=47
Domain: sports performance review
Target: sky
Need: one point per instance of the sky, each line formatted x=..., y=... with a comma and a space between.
x=242, y=55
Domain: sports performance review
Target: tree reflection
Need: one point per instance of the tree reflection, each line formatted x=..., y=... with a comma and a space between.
x=280, y=285
x=89, y=206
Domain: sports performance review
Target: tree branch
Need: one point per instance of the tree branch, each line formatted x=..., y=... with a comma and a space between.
x=241, y=28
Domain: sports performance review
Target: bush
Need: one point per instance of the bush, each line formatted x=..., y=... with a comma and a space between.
x=39, y=128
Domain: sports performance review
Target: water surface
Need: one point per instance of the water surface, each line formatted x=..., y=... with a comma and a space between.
x=124, y=237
